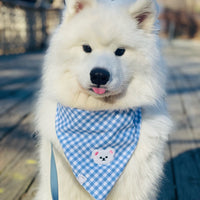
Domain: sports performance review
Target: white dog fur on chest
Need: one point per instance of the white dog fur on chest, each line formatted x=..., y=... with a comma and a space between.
x=136, y=79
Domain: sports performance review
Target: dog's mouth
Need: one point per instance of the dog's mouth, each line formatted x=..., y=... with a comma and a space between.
x=101, y=92
x=98, y=90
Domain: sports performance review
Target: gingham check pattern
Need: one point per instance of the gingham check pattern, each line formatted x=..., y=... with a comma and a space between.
x=80, y=132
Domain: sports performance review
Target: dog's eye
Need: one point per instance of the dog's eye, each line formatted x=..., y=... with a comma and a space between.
x=87, y=48
x=120, y=52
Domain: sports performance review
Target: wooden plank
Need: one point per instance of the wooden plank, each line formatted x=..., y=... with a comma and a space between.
x=12, y=90
x=18, y=82
x=12, y=80
x=19, y=68
x=14, y=144
x=9, y=103
x=11, y=119
x=190, y=174
x=188, y=83
x=168, y=188
x=18, y=75
x=31, y=191
x=183, y=144
x=18, y=168
x=192, y=103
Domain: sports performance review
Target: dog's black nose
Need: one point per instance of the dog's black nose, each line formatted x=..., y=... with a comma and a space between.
x=99, y=76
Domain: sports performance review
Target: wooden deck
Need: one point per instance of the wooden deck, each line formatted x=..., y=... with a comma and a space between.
x=19, y=77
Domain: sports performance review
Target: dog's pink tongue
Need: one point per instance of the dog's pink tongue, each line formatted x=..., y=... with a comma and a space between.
x=99, y=90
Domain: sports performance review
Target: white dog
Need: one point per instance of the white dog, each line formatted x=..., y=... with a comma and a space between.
x=104, y=57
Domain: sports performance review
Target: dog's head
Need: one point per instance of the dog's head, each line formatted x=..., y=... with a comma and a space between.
x=105, y=56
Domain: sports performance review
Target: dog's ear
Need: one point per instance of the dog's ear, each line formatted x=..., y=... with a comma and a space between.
x=76, y=6
x=145, y=12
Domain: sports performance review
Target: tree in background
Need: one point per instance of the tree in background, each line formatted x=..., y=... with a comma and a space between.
x=191, y=6
x=52, y=3
x=44, y=3
x=181, y=18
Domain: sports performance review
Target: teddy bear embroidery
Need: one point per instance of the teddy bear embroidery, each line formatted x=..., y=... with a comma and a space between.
x=103, y=157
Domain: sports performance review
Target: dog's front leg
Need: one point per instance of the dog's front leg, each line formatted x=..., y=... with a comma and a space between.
x=44, y=192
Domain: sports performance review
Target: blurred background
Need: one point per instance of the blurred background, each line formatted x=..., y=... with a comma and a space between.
x=26, y=24
x=25, y=27
x=180, y=18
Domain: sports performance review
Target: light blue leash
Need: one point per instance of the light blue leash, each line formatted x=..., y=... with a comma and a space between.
x=53, y=176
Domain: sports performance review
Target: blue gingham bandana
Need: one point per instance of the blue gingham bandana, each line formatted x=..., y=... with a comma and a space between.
x=98, y=144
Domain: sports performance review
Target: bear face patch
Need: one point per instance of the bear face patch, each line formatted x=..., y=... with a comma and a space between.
x=103, y=157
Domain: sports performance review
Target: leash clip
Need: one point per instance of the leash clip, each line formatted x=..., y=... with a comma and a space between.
x=53, y=176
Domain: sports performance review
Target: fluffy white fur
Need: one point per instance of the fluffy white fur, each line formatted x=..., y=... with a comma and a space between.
x=138, y=79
